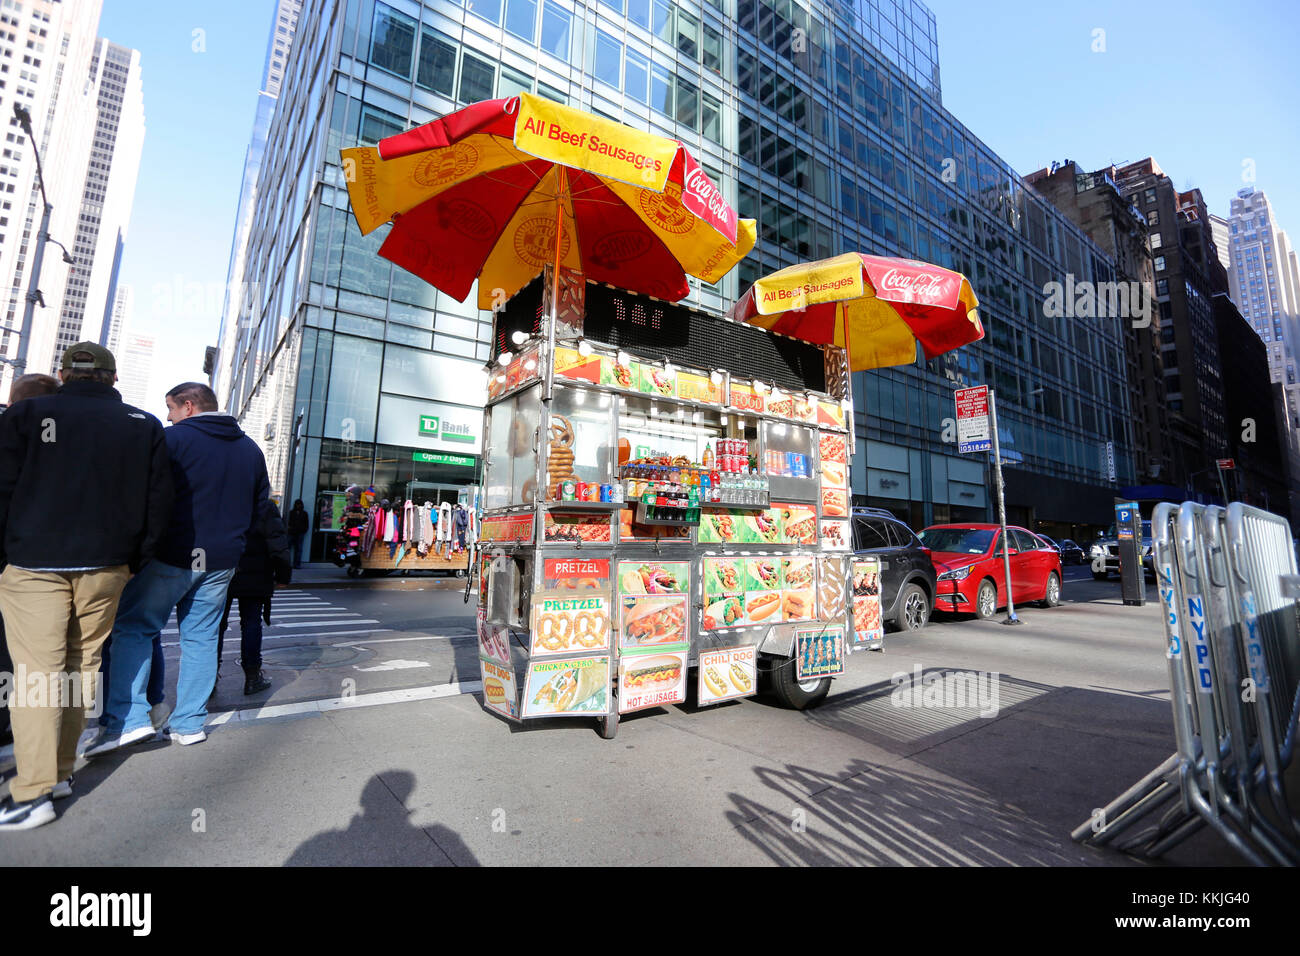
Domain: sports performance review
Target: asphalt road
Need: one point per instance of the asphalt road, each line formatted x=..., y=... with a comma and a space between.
x=410, y=768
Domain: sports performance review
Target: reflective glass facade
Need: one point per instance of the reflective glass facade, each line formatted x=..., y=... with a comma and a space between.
x=822, y=121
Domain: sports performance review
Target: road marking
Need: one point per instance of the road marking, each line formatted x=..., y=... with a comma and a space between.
x=269, y=712
x=289, y=637
x=396, y=640
x=173, y=630
x=394, y=665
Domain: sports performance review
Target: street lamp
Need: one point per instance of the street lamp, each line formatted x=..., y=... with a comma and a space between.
x=42, y=236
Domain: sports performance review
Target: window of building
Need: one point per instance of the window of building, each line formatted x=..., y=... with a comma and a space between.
x=711, y=118
x=688, y=34
x=712, y=49
x=437, y=63
x=521, y=18
x=607, y=59
x=636, y=76
x=476, y=76
x=557, y=28
x=1162, y=287
x=392, y=41
x=1160, y=263
x=638, y=11
x=513, y=82
x=1157, y=240
x=1149, y=196
x=489, y=10
x=661, y=90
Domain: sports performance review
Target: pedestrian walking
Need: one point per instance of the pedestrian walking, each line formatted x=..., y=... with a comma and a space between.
x=85, y=495
x=24, y=386
x=298, y=526
x=220, y=478
x=264, y=564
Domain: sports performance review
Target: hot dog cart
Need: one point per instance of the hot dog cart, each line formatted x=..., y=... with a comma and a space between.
x=664, y=491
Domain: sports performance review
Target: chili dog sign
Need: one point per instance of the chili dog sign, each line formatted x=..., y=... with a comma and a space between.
x=563, y=623
x=727, y=673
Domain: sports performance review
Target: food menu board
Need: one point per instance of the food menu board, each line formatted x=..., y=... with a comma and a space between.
x=799, y=524
x=565, y=622
x=651, y=621
x=578, y=687
x=726, y=673
x=868, y=622
x=568, y=528
x=832, y=588
x=651, y=680
x=523, y=369
x=830, y=414
x=746, y=398
x=835, y=534
x=818, y=652
x=833, y=449
x=698, y=388
x=759, y=590
x=572, y=364
x=499, y=692
x=621, y=376
x=516, y=527
x=653, y=577
x=799, y=585
x=733, y=526
x=656, y=381
x=575, y=574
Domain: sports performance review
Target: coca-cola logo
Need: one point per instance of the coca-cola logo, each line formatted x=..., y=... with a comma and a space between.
x=698, y=186
x=925, y=286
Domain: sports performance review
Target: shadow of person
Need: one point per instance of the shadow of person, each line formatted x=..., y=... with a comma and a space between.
x=382, y=835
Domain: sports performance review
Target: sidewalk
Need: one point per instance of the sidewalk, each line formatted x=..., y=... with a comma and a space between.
x=328, y=575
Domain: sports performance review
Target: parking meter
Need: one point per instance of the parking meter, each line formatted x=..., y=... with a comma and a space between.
x=1128, y=532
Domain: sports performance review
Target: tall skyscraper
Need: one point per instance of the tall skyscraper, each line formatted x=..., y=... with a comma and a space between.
x=107, y=197
x=46, y=50
x=123, y=301
x=1265, y=284
x=134, y=366
x=822, y=120
x=284, y=21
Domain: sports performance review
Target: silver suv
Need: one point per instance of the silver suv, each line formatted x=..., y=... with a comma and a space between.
x=1104, y=554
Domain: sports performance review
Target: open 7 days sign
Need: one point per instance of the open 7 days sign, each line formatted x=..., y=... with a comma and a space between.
x=436, y=427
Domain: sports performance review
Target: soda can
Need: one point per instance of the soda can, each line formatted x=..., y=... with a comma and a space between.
x=580, y=491
x=606, y=493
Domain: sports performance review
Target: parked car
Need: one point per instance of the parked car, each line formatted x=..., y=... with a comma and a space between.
x=972, y=576
x=1104, y=554
x=1070, y=552
x=907, y=575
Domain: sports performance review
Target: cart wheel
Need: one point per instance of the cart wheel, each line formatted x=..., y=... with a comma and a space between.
x=793, y=694
x=460, y=573
x=608, y=726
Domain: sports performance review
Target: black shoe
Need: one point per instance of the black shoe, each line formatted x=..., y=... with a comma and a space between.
x=26, y=815
x=255, y=682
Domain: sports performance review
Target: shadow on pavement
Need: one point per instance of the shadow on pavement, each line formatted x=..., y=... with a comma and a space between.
x=381, y=831
x=879, y=816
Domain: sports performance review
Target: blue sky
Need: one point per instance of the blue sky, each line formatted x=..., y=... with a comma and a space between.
x=1202, y=88
x=200, y=92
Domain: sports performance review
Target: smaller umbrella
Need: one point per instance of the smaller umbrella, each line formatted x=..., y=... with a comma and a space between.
x=875, y=307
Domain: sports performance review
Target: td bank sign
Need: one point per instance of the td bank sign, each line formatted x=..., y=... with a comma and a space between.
x=434, y=426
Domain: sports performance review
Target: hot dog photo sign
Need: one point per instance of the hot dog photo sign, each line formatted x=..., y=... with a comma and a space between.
x=727, y=673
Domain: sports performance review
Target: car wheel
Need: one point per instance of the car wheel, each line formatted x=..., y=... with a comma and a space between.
x=1052, y=593
x=913, y=609
x=986, y=601
x=794, y=694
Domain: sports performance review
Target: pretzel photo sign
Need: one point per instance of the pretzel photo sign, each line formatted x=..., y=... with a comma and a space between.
x=565, y=623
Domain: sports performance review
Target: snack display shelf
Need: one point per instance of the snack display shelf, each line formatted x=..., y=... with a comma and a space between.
x=587, y=507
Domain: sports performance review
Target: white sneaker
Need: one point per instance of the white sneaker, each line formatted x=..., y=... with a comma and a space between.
x=186, y=739
x=158, y=715
x=108, y=743
x=63, y=789
x=89, y=737
x=26, y=815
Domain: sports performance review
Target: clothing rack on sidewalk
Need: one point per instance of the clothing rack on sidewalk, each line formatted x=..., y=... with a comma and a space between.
x=1228, y=583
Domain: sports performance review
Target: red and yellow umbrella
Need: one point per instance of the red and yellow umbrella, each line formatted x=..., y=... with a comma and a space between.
x=498, y=189
x=877, y=308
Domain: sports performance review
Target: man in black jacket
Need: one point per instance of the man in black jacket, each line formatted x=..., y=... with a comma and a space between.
x=85, y=496
x=264, y=563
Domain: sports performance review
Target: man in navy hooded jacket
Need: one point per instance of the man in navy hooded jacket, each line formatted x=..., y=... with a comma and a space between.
x=219, y=478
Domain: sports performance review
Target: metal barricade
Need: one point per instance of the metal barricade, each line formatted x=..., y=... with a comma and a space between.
x=1233, y=651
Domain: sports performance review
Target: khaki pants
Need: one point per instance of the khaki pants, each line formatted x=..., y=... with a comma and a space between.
x=56, y=622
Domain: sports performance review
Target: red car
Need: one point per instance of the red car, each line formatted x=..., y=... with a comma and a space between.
x=972, y=576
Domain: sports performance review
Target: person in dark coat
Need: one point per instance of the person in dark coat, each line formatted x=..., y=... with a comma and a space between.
x=264, y=563
x=298, y=524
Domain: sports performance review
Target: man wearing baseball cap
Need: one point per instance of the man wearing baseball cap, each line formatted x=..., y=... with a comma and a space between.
x=85, y=496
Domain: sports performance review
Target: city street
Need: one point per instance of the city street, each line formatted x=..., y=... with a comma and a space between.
x=373, y=748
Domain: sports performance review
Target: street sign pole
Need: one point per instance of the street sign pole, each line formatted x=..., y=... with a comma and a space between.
x=1222, y=486
x=1002, y=504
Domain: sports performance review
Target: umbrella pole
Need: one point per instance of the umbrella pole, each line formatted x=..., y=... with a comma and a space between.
x=555, y=280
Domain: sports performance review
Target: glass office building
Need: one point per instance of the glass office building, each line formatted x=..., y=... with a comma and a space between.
x=821, y=120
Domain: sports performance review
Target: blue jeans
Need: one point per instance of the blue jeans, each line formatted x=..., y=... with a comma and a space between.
x=295, y=548
x=147, y=601
x=154, y=694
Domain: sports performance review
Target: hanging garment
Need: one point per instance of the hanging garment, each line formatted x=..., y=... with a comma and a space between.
x=444, y=521
x=471, y=536
x=390, y=526
x=408, y=522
